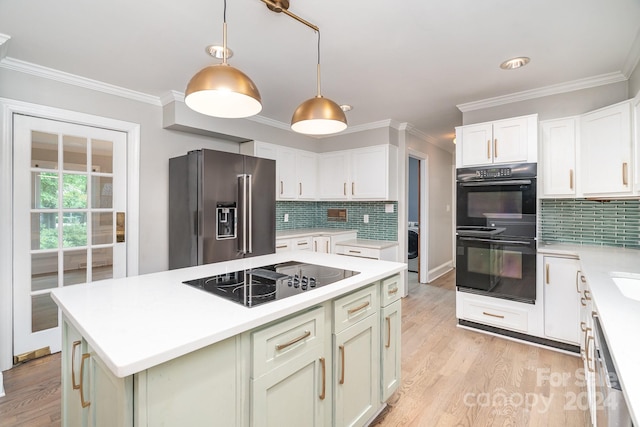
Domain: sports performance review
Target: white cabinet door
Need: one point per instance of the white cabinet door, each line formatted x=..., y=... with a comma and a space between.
x=73, y=346
x=306, y=171
x=287, y=180
x=477, y=144
x=390, y=345
x=511, y=141
x=561, y=301
x=322, y=244
x=559, y=157
x=369, y=173
x=111, y=398
x=333, y=172
x=357, y=372
x=606, y=151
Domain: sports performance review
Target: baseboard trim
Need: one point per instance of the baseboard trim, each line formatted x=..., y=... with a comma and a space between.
x=439, y=271
x=1, y=385
x=519, y=336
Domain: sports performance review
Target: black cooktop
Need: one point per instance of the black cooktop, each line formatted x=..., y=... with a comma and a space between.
x=269, y=283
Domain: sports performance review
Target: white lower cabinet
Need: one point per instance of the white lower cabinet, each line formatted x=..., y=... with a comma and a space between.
x=390, y=348
x=561, y=301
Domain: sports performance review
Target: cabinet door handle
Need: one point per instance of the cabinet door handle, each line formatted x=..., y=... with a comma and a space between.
x=388, y=344
x=351, y=251
x=302, y=243
x=341, y=348
x=84, y=403
x=281, y=247
x=393, y=291
x=587, y=294
x=75, y=385
x=293, y=341
x=324, y=378
x=358, y=308
x=345, y=188
x=546, y=273
x=327, y=242
x=300, y=190
x=571, y=179
x=488, y=148
x=578, y=273
x=583, y=302
x=315, y=246
x=281, y=188
x=493, y=315
x=353, y=188
x=625, y=174
x=495, y=148
x=590, y=363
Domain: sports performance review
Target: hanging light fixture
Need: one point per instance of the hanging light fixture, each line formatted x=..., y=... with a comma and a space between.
x=318, y=115
x=221, y=90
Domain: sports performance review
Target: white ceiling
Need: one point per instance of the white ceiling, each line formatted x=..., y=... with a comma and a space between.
x=410, y=61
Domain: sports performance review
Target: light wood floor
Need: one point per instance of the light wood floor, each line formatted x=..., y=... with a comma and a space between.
x=450, y=376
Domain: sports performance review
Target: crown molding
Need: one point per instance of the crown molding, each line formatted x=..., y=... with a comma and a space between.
x=4, y=45
x=571, y=86
x=72, y=79
x=633, y=58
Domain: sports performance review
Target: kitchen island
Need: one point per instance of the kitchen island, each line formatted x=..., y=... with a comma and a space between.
x=140, y=332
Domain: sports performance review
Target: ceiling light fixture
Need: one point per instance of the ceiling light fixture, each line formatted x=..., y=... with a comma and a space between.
x=513, y=63
x=221, y=90
x=317, y=115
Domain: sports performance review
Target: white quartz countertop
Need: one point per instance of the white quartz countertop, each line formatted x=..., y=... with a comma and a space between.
x=368, y=243
x=304, y=232
x=619, y=315
x=138, y=322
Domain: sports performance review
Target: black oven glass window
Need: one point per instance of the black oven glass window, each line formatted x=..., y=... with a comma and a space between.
x=495, y=204
x=495, y=262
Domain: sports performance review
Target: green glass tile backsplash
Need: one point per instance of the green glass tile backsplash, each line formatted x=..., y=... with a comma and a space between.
x=381, y=225
x=609, y=223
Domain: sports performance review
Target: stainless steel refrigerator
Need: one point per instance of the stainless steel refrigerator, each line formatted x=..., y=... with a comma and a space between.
x=222, y=206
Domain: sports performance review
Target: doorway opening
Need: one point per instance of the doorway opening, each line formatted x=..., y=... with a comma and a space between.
x=417, y=223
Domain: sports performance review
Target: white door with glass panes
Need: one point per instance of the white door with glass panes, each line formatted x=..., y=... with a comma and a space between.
x=69, y=204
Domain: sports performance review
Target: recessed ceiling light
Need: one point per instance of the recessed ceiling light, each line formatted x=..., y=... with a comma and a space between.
x=216, y=51
x=513, y=63
x=346, y=107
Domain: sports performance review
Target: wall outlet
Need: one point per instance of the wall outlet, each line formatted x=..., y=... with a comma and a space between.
x=388, y=208
x=286, y=217
x=366, y=219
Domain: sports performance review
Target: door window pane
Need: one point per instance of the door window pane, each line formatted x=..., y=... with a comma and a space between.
x=74, y=229
x=44, y=271
x=75, y=267
x=44, y=150
x=44, y=190
x=75, y=153
x=101, y=156
x=44, y=230
x=74, y=191
x=102, y=228
x=44, y=313
x=101, y=189
x=102, y=265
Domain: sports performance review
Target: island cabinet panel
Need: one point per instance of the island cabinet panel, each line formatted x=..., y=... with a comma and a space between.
x=92, y=395
x=200, y=388
x=390, y=334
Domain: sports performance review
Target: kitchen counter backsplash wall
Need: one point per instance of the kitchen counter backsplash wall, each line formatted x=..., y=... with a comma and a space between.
x=608, y=223
x=381, y=225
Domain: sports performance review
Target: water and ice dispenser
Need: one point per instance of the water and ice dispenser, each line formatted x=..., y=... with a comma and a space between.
x=226, y=220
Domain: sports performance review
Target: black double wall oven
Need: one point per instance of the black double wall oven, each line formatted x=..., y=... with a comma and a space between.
x=496, y=231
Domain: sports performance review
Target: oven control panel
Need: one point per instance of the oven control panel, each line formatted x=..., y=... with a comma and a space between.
x=494, y=173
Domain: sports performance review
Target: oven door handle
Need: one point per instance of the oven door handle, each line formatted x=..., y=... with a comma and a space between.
x=505, y=242
x=495, y=183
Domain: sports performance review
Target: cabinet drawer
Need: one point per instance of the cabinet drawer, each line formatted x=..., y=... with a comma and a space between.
x=302, y=244
x=389, y=290
x=358, y=251
x=354, y=307
x=283, y=245
x=284, y=341
x=496, y=315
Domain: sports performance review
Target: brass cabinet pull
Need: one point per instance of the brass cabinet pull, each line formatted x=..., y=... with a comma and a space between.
x=120, y=227
x=488, y=148
x=546, y=273
x=583, y=327
x=571, y=179
x=625, y=174
x=302, y=243
x=324, y=378
x=578, y=274
x=300, y=190
x=281, y=187
x=73, y=365
x=327, y=242
x=583, y=302
x=388, y=344
x=315, y=246
x=353, y=188
x=587, y=294
x=345, y=188
x=341, y=348
x=351, y=251
x=590, y=368
x=358, y=308
x=495, y=148
x=281, y=247
x=84, y=403
x=493, y=315
x=583, y=279
x=293, y=341
x=393, y=291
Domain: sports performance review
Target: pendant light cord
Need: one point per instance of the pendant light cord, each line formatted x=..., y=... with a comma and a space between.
x=318, y=77
x=224, y=33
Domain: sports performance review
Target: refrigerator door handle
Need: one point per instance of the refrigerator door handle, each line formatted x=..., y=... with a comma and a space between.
x=249, y=201
x=242, y=183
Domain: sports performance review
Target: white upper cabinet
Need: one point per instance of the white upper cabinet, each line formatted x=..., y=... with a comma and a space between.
x=558, y=155
x=606, y=151
x=368, y=173
x=503, y=141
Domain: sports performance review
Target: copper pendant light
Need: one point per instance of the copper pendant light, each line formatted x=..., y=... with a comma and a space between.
x=221, y=90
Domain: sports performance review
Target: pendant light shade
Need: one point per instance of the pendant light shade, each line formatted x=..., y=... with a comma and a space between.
x=221, y=90
x=318, y=116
